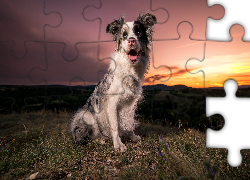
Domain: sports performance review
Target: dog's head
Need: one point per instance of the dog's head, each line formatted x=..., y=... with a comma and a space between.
x=133, y=38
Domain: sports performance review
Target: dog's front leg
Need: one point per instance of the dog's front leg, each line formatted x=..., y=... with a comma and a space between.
x=114, y=126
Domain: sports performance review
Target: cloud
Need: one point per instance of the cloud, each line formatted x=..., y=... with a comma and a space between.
x=180, y=72
x=156, y=77
x=164, y=77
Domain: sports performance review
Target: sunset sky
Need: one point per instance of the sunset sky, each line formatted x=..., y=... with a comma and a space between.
x=56, y=42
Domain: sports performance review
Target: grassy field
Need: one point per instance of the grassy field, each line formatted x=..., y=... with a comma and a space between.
x=41, y=142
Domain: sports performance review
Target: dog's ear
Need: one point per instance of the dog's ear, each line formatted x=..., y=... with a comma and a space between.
x=148, y=20
x=115, y=27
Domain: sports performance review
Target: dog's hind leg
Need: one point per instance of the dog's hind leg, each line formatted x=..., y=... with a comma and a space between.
x=83, y=126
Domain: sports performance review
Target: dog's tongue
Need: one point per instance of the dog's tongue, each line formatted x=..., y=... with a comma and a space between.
x=132, y=57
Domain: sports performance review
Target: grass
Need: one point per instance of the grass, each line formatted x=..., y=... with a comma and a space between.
x=41, y=142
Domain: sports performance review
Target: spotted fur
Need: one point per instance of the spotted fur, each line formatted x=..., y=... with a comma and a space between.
x=110, y=110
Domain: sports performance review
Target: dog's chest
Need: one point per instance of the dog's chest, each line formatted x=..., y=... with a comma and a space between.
x=130, y=86
x=126, y=88
x=132, y=91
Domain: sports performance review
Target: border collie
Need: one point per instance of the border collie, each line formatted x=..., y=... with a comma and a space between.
x=110, y=110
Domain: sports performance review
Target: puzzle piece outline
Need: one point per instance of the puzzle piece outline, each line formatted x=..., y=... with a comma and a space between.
x=217, y=105
x=218, y=28
x=75, y=47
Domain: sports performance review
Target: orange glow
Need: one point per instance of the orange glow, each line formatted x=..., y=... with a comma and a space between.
x=219, y=62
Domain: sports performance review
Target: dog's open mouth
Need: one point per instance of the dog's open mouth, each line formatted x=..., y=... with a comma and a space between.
x=132, y=55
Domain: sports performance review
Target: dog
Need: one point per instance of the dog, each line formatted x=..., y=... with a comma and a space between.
x=110, y=110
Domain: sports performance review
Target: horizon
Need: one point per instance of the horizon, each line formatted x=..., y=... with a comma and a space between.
x=142, y=85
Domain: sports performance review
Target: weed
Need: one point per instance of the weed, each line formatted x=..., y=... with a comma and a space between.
x=41, y=142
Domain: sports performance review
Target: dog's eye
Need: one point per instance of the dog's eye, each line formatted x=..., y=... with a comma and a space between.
x=138, y=32
x=125, y=34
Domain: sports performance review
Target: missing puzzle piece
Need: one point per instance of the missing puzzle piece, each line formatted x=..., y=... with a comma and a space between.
x=235, y=12
x=236, y=113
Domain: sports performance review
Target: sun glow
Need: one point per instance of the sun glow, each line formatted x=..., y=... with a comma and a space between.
x=216, y=69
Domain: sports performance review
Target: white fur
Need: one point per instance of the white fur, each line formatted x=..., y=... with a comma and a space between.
x=117, y=96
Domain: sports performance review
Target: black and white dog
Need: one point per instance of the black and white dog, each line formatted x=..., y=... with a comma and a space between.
x=110, y=110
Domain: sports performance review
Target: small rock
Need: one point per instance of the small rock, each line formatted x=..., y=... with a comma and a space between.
x=153, y=166
x=114, y=171
x=69, y=175
x=34, y=176
x=108, y=160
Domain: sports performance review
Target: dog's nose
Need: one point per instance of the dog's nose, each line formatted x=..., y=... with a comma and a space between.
x=131, y=41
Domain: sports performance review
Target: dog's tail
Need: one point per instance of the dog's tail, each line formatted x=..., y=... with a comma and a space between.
x=81, y=131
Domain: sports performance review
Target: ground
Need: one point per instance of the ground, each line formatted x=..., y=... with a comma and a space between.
x=41, y=142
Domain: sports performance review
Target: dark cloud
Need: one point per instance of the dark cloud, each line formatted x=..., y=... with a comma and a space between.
x=156, y=77
x=165, y=76
x=179, y=72
x=54, y=69
x=60, y=64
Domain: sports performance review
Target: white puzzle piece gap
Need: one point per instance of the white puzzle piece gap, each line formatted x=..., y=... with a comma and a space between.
x=235, y=134
x=236, y=12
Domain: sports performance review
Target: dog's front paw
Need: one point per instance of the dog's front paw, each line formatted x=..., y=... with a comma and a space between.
x=121, y=147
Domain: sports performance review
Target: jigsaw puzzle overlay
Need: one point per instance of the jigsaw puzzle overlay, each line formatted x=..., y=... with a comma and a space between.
x=235, y=13
x=237, y=120
x=53, y=54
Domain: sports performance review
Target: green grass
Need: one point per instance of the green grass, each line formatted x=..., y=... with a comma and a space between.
x=41, y=142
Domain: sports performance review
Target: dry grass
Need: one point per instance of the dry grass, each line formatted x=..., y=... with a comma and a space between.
x=41, y=142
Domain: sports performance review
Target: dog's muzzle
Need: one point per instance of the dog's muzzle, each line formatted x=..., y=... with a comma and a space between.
x=132, y=54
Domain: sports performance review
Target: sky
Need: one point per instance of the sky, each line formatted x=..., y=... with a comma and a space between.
x=65, y=42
